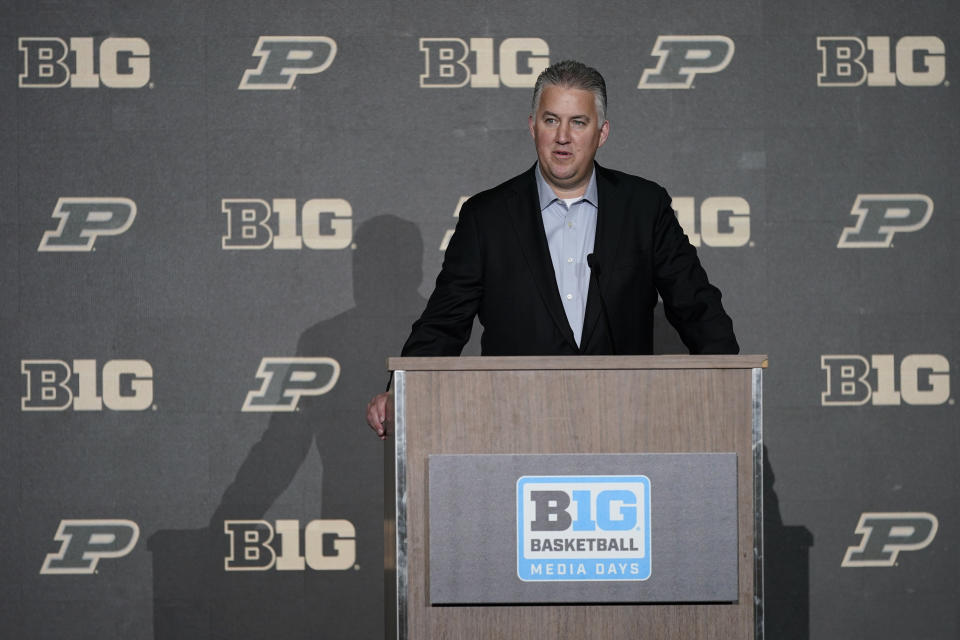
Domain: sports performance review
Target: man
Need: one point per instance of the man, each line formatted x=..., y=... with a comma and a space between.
x=568, y=257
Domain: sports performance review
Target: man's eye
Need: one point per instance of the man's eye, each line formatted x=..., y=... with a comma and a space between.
x=579, y=123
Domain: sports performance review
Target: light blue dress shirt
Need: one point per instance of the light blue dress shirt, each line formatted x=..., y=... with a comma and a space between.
x=571, y=228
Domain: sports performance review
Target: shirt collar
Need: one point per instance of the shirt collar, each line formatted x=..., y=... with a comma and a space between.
x=547, y=196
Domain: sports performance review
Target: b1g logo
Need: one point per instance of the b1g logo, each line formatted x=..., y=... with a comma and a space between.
x=880, y=216
x=847, y=61
x=683, y=57
x=447, y=64
x=83, y=220
x=118, y=63
x=322, y=223
x=853, y=380
x=885, y=535
x=256, y=545
x=283, y=58
x=583, y=528
x=84, y=543
x=285, y=380
x=724, y=221
x=55, y=385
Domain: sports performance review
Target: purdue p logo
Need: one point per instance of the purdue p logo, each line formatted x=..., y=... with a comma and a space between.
x=283, y=58
x=683, y=57
x=885, y=535
x=880, y=216
x=83, y=220
x=286, y=379
x=83, y=543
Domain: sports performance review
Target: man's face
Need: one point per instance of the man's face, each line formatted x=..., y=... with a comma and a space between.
x=566, y=135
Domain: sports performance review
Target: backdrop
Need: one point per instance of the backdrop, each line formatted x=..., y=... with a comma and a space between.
x=221, y=217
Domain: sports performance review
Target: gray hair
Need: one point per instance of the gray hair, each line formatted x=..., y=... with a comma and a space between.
x=571, y=74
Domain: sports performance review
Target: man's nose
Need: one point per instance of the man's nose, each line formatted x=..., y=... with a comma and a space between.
x=563, y=133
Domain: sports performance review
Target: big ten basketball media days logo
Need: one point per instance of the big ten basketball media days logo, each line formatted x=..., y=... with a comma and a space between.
x=583, y=528
x=723, y=221
x=83, y=220
x=84, y=543
x=913, y=61
x=682, y=58
x=880, y=216
x=884, y=535
x=56, y=385
x=452, y=62
x=83, y=63
x=283, y=381
x=321, y=223
x=282, y=59
x=323, y=545
x=852, y=380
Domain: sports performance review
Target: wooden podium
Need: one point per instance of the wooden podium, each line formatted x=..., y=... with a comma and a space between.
x=569, y=405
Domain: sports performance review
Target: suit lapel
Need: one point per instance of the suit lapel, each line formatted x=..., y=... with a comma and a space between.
x=528, y=225
x=611, y=213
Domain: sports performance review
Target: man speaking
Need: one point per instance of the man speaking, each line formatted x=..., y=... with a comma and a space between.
x=568, y=257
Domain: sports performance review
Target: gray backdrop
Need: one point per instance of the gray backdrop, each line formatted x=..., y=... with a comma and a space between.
x=141, y=312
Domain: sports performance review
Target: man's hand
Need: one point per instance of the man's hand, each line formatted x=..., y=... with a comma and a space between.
x=380, y=414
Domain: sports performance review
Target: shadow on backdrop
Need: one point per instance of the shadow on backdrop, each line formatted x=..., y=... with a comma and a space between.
x=786, y=553
x=194, y=597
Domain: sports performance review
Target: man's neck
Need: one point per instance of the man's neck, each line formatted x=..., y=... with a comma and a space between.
x=565, y=193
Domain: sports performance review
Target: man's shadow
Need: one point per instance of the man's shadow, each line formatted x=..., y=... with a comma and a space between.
x=311, y=603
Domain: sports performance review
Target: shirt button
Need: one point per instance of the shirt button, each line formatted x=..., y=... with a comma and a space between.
x=569, y=296
x=569, y=259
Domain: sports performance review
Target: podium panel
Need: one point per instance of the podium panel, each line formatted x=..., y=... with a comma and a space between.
x=563, y=406
x=582, y=528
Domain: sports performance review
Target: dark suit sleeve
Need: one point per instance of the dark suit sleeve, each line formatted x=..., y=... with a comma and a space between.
x=691, y=303
x=444, y=327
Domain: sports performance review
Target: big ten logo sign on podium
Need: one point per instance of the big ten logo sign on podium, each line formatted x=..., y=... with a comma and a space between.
x=880, y=216
x=83, y=220
x=852, y=380
x=914, y=61
x=583, y=528
x=55, y=385
x=323, y=545
x=884, y=535
x=284, y=58
x=283, y=381
x=452, y=62
x=117, y=63
x=722, y=221
x=84, y=543
x=321, y=223
x=681, y=58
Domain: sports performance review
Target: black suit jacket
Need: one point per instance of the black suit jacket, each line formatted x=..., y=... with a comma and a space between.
x=497, y=267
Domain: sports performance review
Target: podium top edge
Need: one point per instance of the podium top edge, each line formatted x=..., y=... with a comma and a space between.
x=573, y=363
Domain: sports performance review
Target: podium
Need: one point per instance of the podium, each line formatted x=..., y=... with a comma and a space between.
x=680, y=433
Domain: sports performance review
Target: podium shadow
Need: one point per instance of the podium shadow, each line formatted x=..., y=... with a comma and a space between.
x=786, y=549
